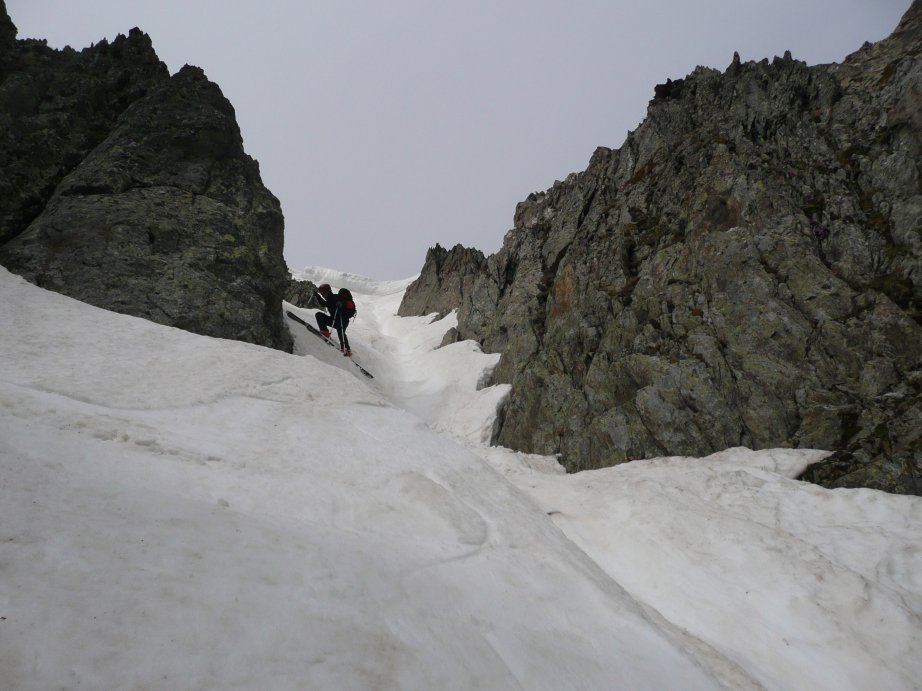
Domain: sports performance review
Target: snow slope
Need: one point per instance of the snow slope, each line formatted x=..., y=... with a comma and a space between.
x=181, y=512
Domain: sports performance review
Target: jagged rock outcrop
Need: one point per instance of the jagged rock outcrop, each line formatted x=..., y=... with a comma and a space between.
x=56, y=106
x=7, y=32
x=129, y=189
x=302, y=294
x=745, y=270
x=444, y=281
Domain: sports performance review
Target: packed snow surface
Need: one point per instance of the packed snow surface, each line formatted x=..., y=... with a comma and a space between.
x=183, y=512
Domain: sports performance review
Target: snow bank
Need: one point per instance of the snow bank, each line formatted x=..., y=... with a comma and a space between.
x=180, y=512
x=805, y=588
x=184, y=512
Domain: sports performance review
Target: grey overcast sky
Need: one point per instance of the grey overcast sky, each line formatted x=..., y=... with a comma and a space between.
x=386, y=126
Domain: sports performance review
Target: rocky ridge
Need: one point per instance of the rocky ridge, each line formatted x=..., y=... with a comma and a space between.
x=302, y=294
x=744, y=270
x=129, y=189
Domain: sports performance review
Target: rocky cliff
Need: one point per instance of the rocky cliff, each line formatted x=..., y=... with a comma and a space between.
x=744, y=270
x=129, y=189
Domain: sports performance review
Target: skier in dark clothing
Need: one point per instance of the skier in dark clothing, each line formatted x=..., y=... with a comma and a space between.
x=324, y=296
x=341, y=309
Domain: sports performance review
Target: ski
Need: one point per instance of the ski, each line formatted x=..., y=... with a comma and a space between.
x=326, y=340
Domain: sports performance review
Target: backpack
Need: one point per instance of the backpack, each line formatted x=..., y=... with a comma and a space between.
x=345, y=297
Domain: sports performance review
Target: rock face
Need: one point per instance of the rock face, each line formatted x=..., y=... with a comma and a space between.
x=744, y=270
x=7, y=33
x=446, y=278
x=302, y=294
x=130, y=190
x=55, y=107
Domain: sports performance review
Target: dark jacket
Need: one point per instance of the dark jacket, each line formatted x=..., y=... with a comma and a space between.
x=341, y=308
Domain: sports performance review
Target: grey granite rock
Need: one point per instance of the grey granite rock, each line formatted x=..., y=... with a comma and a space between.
x=130, y=190
x=744, y=270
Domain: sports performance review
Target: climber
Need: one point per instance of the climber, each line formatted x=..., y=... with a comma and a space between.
x=341, y=309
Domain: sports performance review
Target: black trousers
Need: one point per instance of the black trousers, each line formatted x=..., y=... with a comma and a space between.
x=325, y=321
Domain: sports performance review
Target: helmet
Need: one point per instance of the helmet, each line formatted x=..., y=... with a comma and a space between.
x=325, y=289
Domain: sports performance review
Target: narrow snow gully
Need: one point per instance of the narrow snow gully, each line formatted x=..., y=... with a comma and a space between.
x=763, y=580
x=441, y=386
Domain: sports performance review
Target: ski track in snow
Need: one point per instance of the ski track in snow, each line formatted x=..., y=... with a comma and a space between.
x=183, y=512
